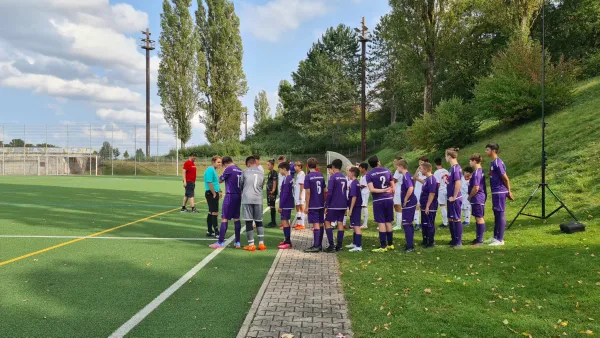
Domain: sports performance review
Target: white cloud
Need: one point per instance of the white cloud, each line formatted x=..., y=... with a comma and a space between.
x=277, y=17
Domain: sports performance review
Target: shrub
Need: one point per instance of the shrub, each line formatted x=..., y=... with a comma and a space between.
x=591, y=66
x=513, y=90
x=395, y=136
x=452, y=124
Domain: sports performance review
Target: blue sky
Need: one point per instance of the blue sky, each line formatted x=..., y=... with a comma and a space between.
x=70, y=62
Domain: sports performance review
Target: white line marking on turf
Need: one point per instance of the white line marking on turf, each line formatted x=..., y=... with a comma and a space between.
x=110, y=237
x=143, y=313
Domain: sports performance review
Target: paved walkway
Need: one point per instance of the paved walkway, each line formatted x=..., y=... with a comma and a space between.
x=301, y=296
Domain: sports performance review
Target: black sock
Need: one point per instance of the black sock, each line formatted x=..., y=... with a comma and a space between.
x=215, y=222
x=209, y=223
x=273, y=214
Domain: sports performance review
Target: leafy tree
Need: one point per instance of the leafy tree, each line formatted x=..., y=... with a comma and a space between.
x=139, y=154
x=513, y=90
x=178, y=67
x=105, y=151
x=16, y=142
x=279, y=110
x=220, y=77
x=116, y=153
x=262, y=111
x=126, y=155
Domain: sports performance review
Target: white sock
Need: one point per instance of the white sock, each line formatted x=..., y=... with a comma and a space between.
x=417, y=216
x=398, y=219
x=344, y=221
x=366, y=216
x=444, y=214
x=467, y=213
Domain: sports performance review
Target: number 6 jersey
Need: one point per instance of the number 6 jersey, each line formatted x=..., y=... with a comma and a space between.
x=315, y=182
x=381, y=179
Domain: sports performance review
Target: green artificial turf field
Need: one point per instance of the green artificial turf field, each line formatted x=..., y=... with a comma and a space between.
x=90, y=287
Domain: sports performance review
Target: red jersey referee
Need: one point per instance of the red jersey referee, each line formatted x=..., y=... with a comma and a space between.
x=189, y=183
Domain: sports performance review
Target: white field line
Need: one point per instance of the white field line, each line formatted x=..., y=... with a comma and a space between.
x=148, y=309
x=110, y=237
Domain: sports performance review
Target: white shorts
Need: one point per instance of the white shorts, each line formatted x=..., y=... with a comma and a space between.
x=298, y=203
x=397, y=199
x=365, y=199
x=443, y=197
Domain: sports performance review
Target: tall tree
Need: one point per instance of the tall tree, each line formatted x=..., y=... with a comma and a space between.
x=279, y=110
x=262, y=111
x=106, y=150
x=176, y=87
x=220, y=77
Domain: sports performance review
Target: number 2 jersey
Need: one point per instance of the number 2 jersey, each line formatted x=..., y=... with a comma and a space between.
x=315, y=182
x=381, y=179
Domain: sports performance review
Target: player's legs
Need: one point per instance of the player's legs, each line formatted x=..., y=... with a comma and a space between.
x=498, y=205
x=408, y=217
x=183, y=208
x=398, y=211
x=316, y=218
x=478, y=213
x=466, y=210
x=456, y=228
x=357, y=239
x=442, y=200
x=365, y=212
x=379, y=213
x=285, y=220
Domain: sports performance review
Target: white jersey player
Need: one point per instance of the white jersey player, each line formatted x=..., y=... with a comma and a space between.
x=365, y=193
x=397, y=196
x=442, y=175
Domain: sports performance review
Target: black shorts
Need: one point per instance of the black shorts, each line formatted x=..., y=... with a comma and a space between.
x=213, y=203
x=271, y=199
x=189, y=189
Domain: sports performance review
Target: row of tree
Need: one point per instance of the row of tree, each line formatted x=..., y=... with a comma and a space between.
x=434, y=65
x=200, y=71
x=107, y=152
x=19, y=143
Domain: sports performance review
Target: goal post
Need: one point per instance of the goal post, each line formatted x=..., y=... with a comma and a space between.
x=332, y=155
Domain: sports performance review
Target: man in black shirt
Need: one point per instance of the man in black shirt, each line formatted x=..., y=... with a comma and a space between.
x=272, y=181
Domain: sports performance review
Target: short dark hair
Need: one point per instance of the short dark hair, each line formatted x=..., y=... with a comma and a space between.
x=227, y=160
x=438, y=161
x=364, y=166
x=337, y=164
x=475, y=157
x=282, y=158
x=284, y=165
x=256, y=156
x=250, y=160
x=272, y=162
x=373, y=161
x=468, y=170
x=494, y=147
x=424, y=159
x=193, y=155
x=312, y=163
x=329, y=166
x=354, y=171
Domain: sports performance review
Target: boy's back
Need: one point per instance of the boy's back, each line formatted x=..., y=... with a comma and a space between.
x=252, y=186
x=315, y=182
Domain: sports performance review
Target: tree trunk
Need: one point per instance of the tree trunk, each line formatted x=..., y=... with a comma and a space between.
x=428, y=95
x=394, y=109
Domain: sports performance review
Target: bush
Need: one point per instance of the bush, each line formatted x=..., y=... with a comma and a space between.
x=452, y=124
x=591, y=66
x=395, y=136
x=232, y=148
x=513, y=91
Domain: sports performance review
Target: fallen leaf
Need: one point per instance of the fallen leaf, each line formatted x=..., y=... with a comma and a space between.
x=588, y=332
x=448, y=281
x=427, y=290
x=514, y=311
x=565, y=323
x=389, y=314
x=505, y=322
x=378, y=279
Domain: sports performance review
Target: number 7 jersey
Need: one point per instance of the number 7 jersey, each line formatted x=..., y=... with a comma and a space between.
x=315, y=182
x=381, y=179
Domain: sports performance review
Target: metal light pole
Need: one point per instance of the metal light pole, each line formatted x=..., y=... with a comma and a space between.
x=148, y=45
x=363, y=106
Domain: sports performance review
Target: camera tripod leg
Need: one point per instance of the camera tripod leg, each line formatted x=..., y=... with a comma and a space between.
x=524, y=206
x=562, y=204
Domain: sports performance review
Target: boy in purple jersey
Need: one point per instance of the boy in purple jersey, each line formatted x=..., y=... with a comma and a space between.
x=454, y=198
x=429, y=205
x=500, y=187
x=354, y=209
x=477, y=198
x=286, y=204
x=409, y=205
x=379, y=181
x=231, y=203
x=314, y=187
x=336, y=205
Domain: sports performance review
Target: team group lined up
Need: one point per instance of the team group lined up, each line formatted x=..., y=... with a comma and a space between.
x=414, y=200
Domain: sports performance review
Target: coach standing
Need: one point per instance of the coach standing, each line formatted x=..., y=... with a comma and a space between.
x=211, y=185
x=189, y=183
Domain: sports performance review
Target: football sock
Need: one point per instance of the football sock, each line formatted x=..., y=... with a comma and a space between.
x=382, y=239
x=249, y=232
x=366, y=216
x=222, y=232
x=209, y=225
x=444, y=214
x=390, y=238
x=329, y=233
x=238, y=230
x=409, y=233
x=398, y=219
x=286, y=234
x=340, y=237
x=358, y=240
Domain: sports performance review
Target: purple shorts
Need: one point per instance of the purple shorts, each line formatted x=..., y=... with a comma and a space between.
x=427, y=221
x=408, y=214
x=316, y=216
x=454, y=211
x=355, y=217
x=231, y=206
x=335, y=215
x=286, y=214
x=383, y=211
x=478, y=210
x=499, y=201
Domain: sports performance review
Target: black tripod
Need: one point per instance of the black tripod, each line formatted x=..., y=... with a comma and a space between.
x=543, y=185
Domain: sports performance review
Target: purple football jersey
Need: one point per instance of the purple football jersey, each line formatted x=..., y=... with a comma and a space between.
x=315, y=182
x=354, y=191
x=336, y=192
x=381, y=179
x=478, y=179
x=430, y=186
x=232, y=176
x=407, y=182
x=497, y=170
x=286, y=200
x=455, y=175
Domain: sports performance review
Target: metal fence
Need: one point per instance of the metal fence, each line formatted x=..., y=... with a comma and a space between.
x=90, y=149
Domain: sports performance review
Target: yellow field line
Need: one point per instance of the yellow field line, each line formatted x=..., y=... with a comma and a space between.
x=86, y=237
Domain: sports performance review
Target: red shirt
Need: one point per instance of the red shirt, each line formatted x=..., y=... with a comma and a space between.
x=190, y=171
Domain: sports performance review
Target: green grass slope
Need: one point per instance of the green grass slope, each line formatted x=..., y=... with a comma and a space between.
x=541, y=283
